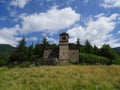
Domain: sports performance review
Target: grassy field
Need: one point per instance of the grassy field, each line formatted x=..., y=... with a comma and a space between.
x=60, y=78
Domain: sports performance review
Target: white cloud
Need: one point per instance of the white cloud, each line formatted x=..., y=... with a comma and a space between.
x=19, y=3
x=96, y=31
x=114, y=42
x=111, y=4
x=49, y=22
x=118, y=32
x=86, y=1
x=52, y=40
x=32, y=39
x=7, y=35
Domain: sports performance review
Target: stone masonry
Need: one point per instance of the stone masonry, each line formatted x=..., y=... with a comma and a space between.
x=65, y=53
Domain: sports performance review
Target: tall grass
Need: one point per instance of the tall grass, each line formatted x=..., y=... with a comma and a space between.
x=60, y=78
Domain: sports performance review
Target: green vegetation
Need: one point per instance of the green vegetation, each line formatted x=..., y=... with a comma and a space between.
x=94, y=55
x=77, y=77
x=117, y=49
x=33, y=54
x=5, y=52
x=60, y=78
x=20, y=53
x=93, y=59
x=29, y=55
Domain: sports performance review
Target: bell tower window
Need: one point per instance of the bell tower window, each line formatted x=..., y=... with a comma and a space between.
x=64, y=38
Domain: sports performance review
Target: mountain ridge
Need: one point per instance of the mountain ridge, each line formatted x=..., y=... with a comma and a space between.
x=6, y=50
x=117, y=49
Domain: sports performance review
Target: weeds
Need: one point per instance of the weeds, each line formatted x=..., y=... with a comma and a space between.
x=73, y=77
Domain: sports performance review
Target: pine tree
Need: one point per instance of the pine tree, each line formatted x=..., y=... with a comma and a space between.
x=95, y=50
x=30, y=52
x=38, y=51
x=108, y=52
x=88, y=48
x=20, y=53
x=44, y=43
x=78, y=44
x=39, y=48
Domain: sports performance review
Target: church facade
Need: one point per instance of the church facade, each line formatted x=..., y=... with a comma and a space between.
x=65, y=53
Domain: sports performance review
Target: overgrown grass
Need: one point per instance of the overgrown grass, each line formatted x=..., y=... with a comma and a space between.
x=73, y=77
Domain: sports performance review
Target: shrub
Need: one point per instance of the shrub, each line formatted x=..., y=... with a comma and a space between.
x=117, y=60
x=85, y=58
x=3, y=60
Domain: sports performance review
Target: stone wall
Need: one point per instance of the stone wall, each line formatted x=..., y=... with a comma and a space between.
x=47, y=53
x=52, y=61
x=63, y=53
x=51, y=53
x=74, y=56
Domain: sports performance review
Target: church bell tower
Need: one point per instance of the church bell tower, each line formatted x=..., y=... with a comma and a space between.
x=63, y=48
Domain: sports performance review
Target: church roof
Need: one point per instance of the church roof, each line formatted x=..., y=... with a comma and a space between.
x=51, y=47
x=64, y=33
x=73, y=46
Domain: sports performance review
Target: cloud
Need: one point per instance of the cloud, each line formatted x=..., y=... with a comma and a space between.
x=52, y=40
x=19, y=3
x=86, y=1
x=49, y=22
x=32, y=39
x=97, y=31
x=118, y=32
x=8, y=35
x=111, y=4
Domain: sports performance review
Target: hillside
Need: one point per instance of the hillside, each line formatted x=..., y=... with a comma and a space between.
x=5, y=50
x=117, y=49
x=61, y=78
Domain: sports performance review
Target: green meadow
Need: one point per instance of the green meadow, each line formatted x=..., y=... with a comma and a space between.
x=71, y=77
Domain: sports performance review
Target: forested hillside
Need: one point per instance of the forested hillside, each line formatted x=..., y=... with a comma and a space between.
x=117, y=49
x=5, y=50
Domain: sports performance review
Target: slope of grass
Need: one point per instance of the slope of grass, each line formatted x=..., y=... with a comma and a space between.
x=60, y=78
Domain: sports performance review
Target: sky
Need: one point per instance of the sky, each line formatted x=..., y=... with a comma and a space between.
x=95, y=20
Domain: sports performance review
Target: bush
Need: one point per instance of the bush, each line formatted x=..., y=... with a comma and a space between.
x=85, y=58
x=26, y=64
x=117, y=60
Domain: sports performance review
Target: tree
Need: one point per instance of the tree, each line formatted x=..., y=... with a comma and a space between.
x=108, y=52
x=78, y=44
x=39, y=48
x=44, y=43
x=30, y=52
x=38, y=51
x=95, y=50
x=20, y=53
x=88, y=47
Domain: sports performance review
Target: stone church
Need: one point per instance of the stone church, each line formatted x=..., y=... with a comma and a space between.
x=65, y=53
